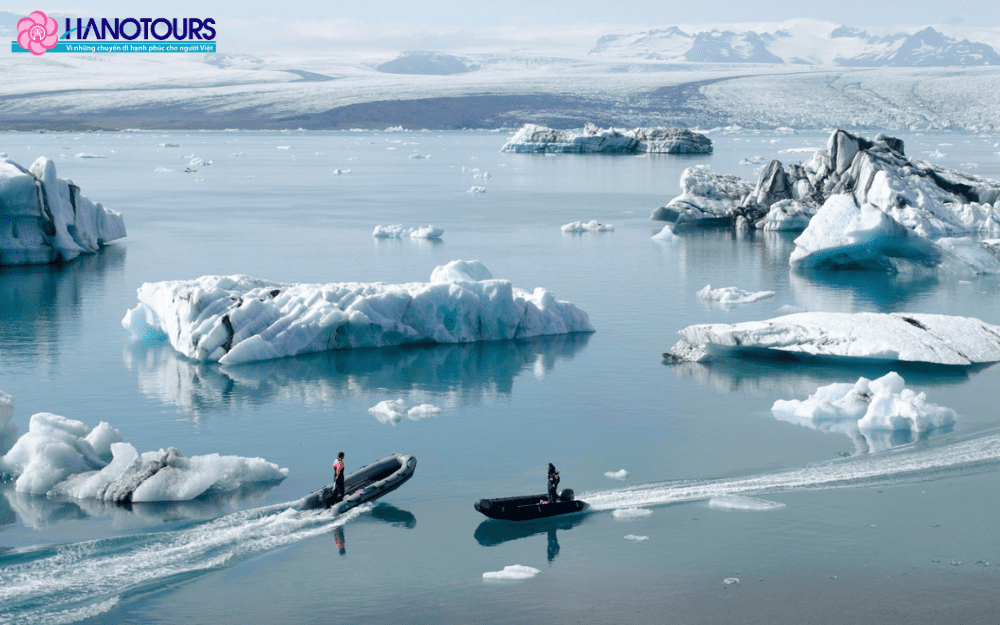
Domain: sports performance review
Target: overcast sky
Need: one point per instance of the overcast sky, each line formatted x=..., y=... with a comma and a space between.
x=542, y=26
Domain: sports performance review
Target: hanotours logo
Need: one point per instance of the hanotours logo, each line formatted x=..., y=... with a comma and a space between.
x=38, y=34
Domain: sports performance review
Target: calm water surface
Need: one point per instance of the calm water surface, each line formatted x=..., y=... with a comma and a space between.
x=904, y=534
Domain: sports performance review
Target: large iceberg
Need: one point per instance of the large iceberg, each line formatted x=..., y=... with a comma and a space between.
x=234, y=319
x=64, y=457
x=594, y=140
x=930, y=200
x=906, y=337
x=44, y=219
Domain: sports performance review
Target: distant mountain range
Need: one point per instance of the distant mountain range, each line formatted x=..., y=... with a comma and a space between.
x=807, y=44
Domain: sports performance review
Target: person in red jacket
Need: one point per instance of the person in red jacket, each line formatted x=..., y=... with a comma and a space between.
x=338, y=471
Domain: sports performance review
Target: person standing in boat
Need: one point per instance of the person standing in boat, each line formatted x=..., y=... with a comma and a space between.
x=338, y=471
x=553, y=483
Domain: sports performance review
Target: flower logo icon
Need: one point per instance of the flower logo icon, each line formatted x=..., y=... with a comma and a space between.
x=37, y=33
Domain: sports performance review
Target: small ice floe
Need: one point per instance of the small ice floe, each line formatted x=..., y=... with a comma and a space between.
x=576, y=227
x=394, y=410
x=636, y=539
x=740, y=502
x=631, y=513
x=338, y=172
x=936, y=154
x=476, y=190
x=726, y=297
x=753, y=160
x=397, y=231
x=419, y=156
x=731, y=581
x=485, y=175
x=168, y=145
x=285, y=147
x=395, y=129
x=512, y=572
x=199, y=162
x=868, y=411
x=621, y=474
x=666, y=235
x=88, y=155
x=163, y=170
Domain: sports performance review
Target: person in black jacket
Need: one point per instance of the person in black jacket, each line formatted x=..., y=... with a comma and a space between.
x=338, y=469
x=553, y=483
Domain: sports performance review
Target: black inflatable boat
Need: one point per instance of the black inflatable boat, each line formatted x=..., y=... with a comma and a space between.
x=530, y=507
x=365, y=484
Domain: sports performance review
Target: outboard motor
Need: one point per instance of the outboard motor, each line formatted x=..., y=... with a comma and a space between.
x=566, y=495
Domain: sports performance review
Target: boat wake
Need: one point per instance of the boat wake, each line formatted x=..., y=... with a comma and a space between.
x=901, y=465
x=60, y=584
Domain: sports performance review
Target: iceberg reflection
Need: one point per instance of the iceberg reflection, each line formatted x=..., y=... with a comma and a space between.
x=466, y=371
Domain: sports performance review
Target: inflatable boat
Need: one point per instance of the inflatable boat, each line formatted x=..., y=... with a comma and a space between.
x=365, y=484
x=530, y=507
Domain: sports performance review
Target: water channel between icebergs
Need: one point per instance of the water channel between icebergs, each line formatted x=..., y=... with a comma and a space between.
x=856, y=532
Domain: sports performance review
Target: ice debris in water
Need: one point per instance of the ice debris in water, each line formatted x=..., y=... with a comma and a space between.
x=60, y=456
x=731, y=581
x=476, y=190
x=631, y=513
x=576, y=227
x=636, y=539
x=665, y=235
x=513, y=571
x=234, y=319
x=866, y=408
x=621, y=474
x=394, y=410
x=397, y=231
x=728, y=296
x=741, y=502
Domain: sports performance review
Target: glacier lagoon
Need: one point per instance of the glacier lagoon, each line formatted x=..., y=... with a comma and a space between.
x=715, y=487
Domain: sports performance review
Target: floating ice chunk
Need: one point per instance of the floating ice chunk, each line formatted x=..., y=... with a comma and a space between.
x=731, y=581
x=907, y=337
x=631, y=513
x=741, y=502
x=636, y=539
x=590, y=226
x=168, y=145
x=620, y=474
x=426, y=232
x=338, y=172
x=422, y=411
x=666, y=235
x=285, y=147
x=419, y=156
x=476, y=190
x=44, y=219
x=88, y=155
x=865, y=408
x=514, y=572
x=233, y=319
x=389, y=232
x=199, y=162
x=706, y=197
x=731, y=296
x=63, y=456
x=535, y=138
x=389, y=411
x=163, y=170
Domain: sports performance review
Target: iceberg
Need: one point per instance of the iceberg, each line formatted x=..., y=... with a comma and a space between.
x=64, y=457
x=903, y=337
x=44, y=219
x=235, y=319
x=870, y=412
x=532, y=138
x=930, y=200
x=579, y=227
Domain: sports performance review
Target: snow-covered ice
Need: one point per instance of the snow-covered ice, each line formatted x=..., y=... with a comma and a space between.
x=513, y=571
x=232, y=319
x=729, y=296
x=397, y=231
x=866, y=410
x=906, y=337
x=620, y=474
x=593, y=140
x=44, y=219
x=395, y=410
x=577, y=227
x=61, y=456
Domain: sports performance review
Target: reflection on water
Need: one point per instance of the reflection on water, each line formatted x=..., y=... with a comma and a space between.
x=769, y=374
x=466, y=372
x=867, y=440
x=492, y=532
x=384, y=513
x=37, y=300
x=850, y=291
x=39, y=511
